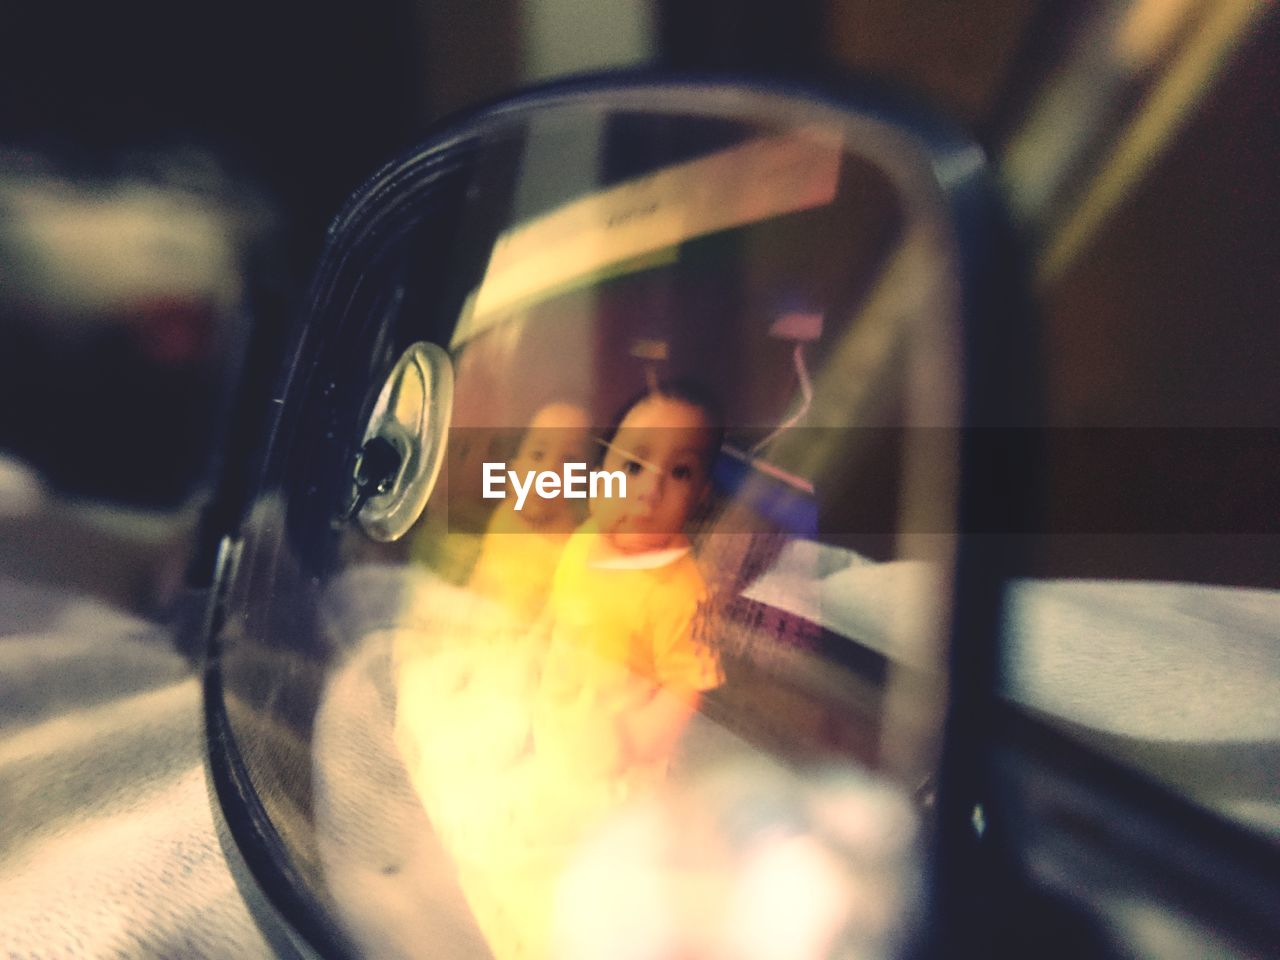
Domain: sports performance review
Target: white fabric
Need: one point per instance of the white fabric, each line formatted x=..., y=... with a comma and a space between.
x=108, y=843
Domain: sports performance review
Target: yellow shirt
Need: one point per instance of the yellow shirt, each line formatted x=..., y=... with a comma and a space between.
x=516, y=565
x=618, y=635
x=511, y=820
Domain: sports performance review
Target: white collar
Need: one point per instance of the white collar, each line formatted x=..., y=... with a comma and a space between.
x=649, y=560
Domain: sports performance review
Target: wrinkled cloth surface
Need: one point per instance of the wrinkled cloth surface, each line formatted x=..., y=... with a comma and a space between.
x=109, y=842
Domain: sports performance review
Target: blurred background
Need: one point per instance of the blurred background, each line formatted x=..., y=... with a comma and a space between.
x=167, y=171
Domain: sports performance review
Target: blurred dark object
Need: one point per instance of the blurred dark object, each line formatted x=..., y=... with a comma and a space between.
x=304, y=98
x=754, y=35
x=1136, y=141
x=124, y=306
x=137, y=141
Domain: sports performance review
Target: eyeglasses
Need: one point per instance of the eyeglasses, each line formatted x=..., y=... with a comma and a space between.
x=434, y=727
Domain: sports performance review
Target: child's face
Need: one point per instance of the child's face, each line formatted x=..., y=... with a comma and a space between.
x=557, y=435
x=664, y=448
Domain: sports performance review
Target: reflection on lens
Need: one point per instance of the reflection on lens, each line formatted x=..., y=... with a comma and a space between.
x=655, y=673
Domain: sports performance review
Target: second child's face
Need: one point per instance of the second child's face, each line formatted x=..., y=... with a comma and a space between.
x=663, y=448
x=557, y=435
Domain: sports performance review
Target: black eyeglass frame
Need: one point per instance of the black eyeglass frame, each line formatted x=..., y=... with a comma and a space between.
x=997, y=388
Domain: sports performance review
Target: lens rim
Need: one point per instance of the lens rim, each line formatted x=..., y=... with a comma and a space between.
x=987, y=393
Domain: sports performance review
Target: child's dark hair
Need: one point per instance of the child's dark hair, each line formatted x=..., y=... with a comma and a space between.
x=685, y=391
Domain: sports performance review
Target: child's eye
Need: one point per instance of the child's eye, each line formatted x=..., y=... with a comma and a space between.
x=634, y=467
x=682, y=471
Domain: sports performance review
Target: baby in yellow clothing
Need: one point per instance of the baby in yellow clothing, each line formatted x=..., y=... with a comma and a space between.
x=624, y=667
x=624, y=664
x=465, y=690
x=521, y=548
x=519, y=746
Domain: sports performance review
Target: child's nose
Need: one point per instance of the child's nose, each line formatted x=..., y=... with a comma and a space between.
x=648, y=487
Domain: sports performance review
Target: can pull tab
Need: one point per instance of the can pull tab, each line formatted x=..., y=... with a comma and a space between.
x=404, y=444
x=377, y=465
